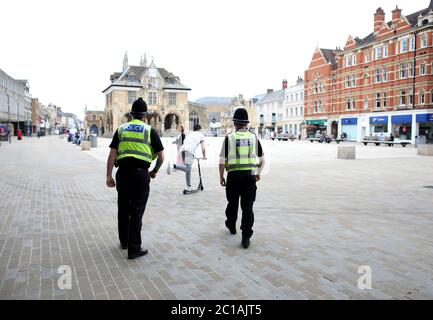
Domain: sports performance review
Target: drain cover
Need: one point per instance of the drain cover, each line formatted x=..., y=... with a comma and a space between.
x=428, y=187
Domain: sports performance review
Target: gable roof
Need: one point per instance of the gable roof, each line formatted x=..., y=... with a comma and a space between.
x=121, y=78
x=329, y=55
x=411, y=18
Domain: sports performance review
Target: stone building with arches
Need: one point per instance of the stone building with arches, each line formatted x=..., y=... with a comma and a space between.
x=165, y=95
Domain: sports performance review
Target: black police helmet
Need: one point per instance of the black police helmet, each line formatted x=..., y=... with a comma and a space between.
x=241, y=116
x=139, y=107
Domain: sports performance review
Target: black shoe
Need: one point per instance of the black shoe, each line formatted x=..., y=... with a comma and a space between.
x=232, y=230
x=124, y=246
x=137, y=255
x=245, y=242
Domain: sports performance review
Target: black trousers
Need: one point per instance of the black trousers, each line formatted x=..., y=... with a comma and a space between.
x=241, y=184
x=133, y=191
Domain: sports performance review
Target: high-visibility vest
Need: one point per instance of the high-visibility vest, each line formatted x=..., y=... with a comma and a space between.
x=242, y=153
x=135, y=141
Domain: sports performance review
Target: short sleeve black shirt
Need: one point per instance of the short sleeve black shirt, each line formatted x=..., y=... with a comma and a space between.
x=131, y=162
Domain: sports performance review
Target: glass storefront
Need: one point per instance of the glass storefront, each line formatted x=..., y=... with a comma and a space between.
x=425, y=122
x=349, y=128
x=402, y=127
x=378, y=124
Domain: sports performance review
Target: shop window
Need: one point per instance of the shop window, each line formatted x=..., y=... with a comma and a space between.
x=402, y=131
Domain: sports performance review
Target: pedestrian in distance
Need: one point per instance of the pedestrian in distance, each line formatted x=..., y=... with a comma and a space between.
x=242, y=156
x=134, y=146
x=189, y=147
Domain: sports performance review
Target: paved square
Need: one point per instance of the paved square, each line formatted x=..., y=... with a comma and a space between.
x=317, y=220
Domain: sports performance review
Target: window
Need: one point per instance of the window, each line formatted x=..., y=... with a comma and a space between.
x=385, y=74
x=319, y=108
x=377, y=100
x=347, y=103
x=367, y=57
x=365, y=103
x=385, y=51
x=94, y=117
x=410, y=101
x=152, y=98
x=378, y=53
x=423, y=41
x=291, y=112
x=347, y=82
x=348, y=61
x=403, y=45
x=384, y=99
x=172, y=99
x=402, y=97
x=354, y=60
x=422, y=70
x=403, y=71
x=431, y=96
x=353, y=80
x=421, y=97
x=333, y=105
x=412, y=44
x=131, y=97
x=411, y=70
x=353, y=104
x=378, y=77
x=132, y=78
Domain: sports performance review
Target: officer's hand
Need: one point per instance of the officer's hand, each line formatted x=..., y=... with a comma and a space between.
x=223, y=182
x=257, y=178
x=110, y=182
x=152, y=174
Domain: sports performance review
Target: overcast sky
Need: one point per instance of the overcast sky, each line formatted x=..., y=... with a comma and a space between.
x=68, y=49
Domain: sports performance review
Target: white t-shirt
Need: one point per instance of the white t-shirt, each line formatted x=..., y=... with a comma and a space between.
x=192, y=141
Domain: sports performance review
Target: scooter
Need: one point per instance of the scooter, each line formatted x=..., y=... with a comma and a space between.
x=200, y=184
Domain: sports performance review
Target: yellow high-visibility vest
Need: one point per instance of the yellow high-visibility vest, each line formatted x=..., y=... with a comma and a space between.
x=242, y=153
x=134, y=138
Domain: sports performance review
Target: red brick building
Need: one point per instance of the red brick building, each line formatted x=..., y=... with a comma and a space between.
x=377, y=85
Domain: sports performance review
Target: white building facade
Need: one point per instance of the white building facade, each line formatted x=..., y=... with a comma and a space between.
x=293, y=117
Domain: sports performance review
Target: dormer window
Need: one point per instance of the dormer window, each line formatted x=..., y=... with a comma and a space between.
x=132, y=78
x=425, y=22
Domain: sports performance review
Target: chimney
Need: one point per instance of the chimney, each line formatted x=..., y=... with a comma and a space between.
x=284, y=84
x=379, y=19
x=396, y=15
x=269, y=91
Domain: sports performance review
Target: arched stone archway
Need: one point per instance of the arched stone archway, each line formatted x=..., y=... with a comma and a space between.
x=155, y=121
x=171, y=121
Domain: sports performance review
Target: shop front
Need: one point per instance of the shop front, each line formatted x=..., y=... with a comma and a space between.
x=378, y=125
x=314, y=127
x=349, y=128
x=425, y=123
x=402, y=127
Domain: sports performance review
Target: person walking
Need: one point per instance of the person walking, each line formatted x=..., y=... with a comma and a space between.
x=135, y=144
x=179, y=143
x=190, y=145
x=242, y=156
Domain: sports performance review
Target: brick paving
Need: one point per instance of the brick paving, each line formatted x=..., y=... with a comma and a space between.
x=316, y=223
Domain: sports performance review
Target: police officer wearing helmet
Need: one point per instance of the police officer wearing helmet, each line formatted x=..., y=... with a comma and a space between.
x=242, y=157
x=134, y=146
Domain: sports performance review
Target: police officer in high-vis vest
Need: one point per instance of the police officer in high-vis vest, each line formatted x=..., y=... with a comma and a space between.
x=134, y=146
x=242, y=157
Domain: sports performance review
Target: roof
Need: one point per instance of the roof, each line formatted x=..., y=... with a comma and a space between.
x=214, y=100
x=273, y=96
x=329, y=55
x=123, y=78
x=412, y=18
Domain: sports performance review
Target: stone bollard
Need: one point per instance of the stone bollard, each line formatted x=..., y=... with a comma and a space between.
x=425, y=150
x=346, y=153
x=85, y=145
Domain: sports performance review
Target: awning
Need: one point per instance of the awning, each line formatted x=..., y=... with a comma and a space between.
x=427, y=117
x=349, y=121
x=401, y=119
x=379, y=120
x=316, y=122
